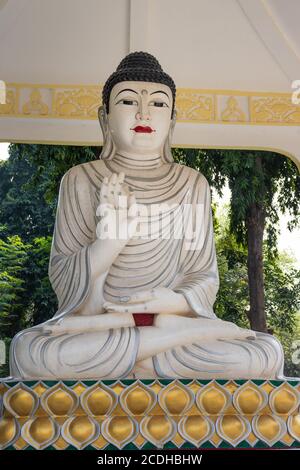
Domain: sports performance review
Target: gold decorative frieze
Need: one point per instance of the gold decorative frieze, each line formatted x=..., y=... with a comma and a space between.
x=193, y=105
x=82, y=103
x=35, y=105
x=11, y=105
x=149, y=414
x=273, y=109
x=233, y=112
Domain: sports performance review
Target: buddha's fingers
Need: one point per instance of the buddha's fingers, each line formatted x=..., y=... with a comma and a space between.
x=54, y=330
x=132, y=206
x=113, y=178
x=206, y=328
x=238, y=333
x=122, y=196
x=247, y=334
x=119, y=191
x=121, y=177
x=134, y=308
x=104, y=190
x=141, y=296
x=89, y=323
x=111, y=188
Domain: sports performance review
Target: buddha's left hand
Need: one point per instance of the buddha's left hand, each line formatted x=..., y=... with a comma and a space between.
x=160, y=300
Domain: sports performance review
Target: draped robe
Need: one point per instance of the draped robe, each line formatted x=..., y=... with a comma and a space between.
x=143, y=264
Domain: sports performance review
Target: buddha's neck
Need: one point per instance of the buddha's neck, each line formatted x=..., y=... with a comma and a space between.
x=137, y=162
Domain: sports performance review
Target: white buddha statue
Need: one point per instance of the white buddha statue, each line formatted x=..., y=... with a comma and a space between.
x=137, y=306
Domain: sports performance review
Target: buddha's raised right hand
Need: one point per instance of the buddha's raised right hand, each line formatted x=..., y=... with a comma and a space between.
x=117, y=209
x=118, y=222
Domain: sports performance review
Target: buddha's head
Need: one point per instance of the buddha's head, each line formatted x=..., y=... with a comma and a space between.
x=138, y=116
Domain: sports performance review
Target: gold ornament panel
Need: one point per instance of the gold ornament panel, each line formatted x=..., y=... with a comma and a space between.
x=25, y=100
x=157, y=413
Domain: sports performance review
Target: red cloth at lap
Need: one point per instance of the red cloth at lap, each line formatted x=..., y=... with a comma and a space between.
x=143, y=319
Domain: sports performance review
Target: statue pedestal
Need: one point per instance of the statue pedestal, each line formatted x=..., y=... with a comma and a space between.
x=149, y=414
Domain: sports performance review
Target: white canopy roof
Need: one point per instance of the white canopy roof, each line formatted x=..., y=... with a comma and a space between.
x=233, y=62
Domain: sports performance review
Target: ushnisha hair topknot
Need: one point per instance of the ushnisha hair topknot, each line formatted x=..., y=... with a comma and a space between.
x=138, y=67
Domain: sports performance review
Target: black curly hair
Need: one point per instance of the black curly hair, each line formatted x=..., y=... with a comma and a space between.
x=139, y=67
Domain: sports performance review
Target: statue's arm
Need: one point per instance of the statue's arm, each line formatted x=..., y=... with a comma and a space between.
x=200, y=281
x=80, y=258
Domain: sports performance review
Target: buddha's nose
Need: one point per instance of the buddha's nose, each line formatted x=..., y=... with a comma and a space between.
x=143, y=113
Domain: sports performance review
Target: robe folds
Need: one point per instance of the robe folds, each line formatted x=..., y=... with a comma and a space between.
x=186, y=264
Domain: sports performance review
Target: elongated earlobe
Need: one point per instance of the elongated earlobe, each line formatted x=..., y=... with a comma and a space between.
x=167, y=152
x=108, y=149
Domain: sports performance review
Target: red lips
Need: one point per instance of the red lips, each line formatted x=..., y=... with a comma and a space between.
x=145, y=129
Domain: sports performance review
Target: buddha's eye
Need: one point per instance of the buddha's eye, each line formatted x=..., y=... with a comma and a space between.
x=128, y=102
x=158, y=104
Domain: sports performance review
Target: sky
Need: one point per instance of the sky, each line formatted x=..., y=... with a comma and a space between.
x=288, y=241
x=3, y=150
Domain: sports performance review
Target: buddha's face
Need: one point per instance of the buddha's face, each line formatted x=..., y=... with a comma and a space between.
x=140, y=116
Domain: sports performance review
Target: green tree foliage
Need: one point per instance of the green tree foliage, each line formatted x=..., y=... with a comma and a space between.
x=274, y=183
x=232, y=301
x=13, y=258
x=23, y=209
x=282, y=292
x=29, y=184
x=282, y=289
x=262, y=184
x=43, y=302
x=13, y=302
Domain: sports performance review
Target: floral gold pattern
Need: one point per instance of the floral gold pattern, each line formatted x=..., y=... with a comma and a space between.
x=213, y=399
x=9, y=431
x=20, y=401
x=158, y=429
x=59, y=401
x=119, y=430
x=176, y=399
x=284, y=400
x=99, y=400
x=249, y=399
x=196, y=429
x=269, y=428
x=80, y=431
x=137, y=399
x=233, y=428
x=157, y=413
x=40, y=432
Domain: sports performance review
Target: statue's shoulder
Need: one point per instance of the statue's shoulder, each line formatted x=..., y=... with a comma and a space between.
x=84, y=171
x=192, y=174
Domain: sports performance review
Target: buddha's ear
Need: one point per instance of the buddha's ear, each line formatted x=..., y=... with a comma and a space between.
x=108, y=149
x=167, y=153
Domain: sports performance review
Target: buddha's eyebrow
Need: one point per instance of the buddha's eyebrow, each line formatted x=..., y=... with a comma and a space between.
x=160, y=91
x=126, y=89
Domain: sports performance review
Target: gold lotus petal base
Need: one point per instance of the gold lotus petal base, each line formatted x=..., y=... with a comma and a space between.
x=149, y=414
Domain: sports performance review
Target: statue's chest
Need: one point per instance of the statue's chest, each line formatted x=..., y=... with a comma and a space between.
x=163, y=195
